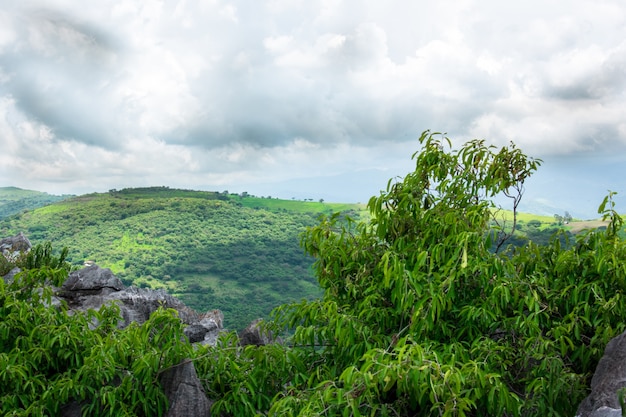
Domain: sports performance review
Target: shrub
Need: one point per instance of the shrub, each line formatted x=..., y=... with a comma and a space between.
x=49, y=358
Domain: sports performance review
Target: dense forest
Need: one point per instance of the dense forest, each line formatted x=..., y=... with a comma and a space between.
x=239, y=254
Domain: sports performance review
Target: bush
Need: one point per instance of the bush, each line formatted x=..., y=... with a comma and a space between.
x=49, y=358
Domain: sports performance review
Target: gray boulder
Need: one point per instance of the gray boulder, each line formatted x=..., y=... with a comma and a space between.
x=92, y=279
x=184, y=392
x=12, y=273
x=255, y=335
x=92, y=287
x=609, y=377
x=11, y=247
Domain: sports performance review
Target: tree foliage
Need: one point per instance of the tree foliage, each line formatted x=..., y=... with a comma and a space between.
x=49, y=358
x=420, y=318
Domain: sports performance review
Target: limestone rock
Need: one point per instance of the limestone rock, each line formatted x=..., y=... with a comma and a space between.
x=254, y=335
x=206, y=330
x=606, y=412
x=92, y=287
x=609, y=377
x=92, y=278
x=12, y=273
x=184, y=392
x=11, y=247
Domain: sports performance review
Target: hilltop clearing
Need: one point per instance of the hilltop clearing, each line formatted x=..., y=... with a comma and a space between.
x=576, y=227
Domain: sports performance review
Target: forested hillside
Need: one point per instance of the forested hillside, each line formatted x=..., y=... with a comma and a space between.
x=213, y=250
x=14, y=200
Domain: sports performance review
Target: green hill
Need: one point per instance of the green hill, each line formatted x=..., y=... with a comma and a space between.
x=237, y=253
x=213, y=250
x=14, y=200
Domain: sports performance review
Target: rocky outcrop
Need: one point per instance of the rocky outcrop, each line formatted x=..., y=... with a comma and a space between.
x=92, y=287
x=255, y=335
x=184, y=392
x=206, y=329
x=11, y=247
x=609, y=377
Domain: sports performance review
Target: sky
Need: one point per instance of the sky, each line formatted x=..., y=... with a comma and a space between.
x=312, y=99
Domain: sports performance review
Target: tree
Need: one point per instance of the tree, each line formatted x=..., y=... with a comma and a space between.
x=420, y=318
x=567, y=217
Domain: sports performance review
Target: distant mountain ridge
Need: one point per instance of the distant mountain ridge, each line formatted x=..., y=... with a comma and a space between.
x=14, y=200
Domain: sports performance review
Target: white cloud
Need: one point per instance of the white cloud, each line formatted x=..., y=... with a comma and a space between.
x=243, y=91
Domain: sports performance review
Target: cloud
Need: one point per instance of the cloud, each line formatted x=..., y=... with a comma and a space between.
x=214, y=92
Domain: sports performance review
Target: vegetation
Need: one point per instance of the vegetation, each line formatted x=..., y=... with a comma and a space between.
x=420, y=317
x=427, y=310
x=14, y=200
x=49, y=358
x=213, y=250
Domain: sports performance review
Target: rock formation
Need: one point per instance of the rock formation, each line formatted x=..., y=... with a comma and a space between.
x=92, y=286
x=254, y=335
x=11, y=247
x=184, y=392
x=609, y=377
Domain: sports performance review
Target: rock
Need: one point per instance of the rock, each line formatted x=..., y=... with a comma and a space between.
x=609, y=377
x=92, y=278
x=181, y=386
x=606, y=412
x=195, y=333
x=184, y=392
x=92, y=287
x=11, y=247
x=72, y=409
x=254, y=335
x=12, y=273
x=206, y=329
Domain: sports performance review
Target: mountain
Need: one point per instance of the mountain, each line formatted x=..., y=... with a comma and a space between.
x=14, y=200
x=236, y=253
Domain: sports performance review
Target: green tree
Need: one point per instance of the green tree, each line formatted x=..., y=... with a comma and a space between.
x=567, y=217
x=420, y=318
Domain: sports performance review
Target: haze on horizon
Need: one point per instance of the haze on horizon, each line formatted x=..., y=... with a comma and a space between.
x=309, y=99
